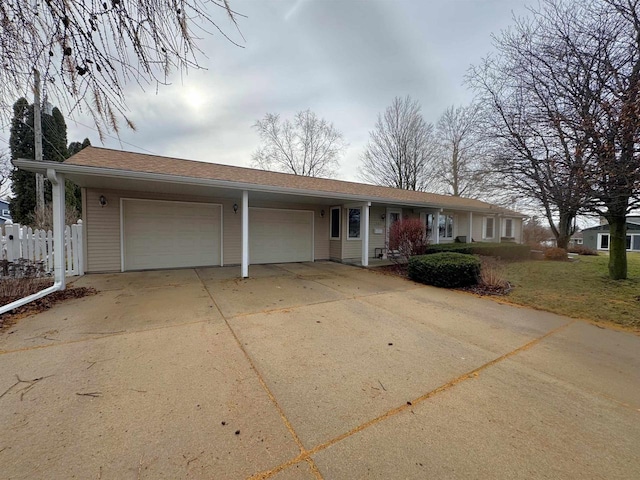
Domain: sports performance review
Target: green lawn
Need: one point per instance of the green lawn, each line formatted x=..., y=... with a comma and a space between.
x=578, y=289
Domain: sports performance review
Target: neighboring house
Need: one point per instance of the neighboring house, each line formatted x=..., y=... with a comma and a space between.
x=597, y=237
x=147, y=212
x=576, y=239
x=5, y=213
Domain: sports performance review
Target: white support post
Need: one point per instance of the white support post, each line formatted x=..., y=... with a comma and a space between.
x=59, y=263
x=245, y=234
x=470, y=238
x=436, y=228
x=498, y=231
x=364, y=229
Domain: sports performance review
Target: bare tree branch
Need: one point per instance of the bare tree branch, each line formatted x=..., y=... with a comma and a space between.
x=462, y=152
x=87, y=50
x=565, y=93
x=5, y=174
x=310, y=146
x=401, y=148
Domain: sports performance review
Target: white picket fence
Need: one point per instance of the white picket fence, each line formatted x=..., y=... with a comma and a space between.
x=18, y=242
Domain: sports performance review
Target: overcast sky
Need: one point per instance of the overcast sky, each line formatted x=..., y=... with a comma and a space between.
x=344, y=59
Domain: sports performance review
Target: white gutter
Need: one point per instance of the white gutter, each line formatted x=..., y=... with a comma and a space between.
x=57, y=182
x=34, y=166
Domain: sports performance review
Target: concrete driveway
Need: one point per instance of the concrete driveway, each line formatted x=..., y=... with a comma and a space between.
x=311, y=371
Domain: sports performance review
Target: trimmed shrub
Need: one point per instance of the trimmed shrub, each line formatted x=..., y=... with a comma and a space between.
x=556, y=254
x=506, y=251
x=406, y=239
x=582, y=250
x=445, y=269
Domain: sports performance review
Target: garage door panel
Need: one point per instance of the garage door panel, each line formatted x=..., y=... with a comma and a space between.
x=170, y=234
x=280, y=236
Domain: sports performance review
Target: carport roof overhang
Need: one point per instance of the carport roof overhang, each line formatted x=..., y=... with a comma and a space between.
x=118, y=179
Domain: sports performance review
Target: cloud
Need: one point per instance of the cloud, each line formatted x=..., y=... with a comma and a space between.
x=346, y=60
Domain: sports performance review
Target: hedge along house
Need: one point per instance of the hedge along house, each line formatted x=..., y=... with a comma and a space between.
x=597, y=238
x=143, y=212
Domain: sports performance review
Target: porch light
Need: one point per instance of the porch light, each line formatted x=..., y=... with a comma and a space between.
x=383, y=216
x=235, y=208
x=103, y=201
x=322, y=213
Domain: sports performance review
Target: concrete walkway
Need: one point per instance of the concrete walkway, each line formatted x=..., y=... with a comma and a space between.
x=308, y=371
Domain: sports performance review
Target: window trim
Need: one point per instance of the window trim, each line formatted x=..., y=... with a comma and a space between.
x=493, y=228
x=349, y=237
x=6, y=213
x=504, y=222
x=630, y=238
x=331, y=210
x=446, y=216
x=600, y=237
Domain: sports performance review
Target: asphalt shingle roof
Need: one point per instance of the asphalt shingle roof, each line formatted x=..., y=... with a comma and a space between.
x=138, y=162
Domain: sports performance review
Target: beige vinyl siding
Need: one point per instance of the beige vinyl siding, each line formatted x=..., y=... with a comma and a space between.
x=335, y=249
x=478, y=225
x=231, y=233
x=376, y=240
x=102, y=231
x=516, y=228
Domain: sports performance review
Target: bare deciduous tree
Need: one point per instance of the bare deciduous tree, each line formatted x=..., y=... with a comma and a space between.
x=5, y=174
x=308, y=146
x=459, y=164
x=538, y=151
x=87, y=50
x=401, y=148
x=533, y=154
x=566, y=90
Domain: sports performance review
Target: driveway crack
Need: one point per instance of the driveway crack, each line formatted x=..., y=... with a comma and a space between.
x=303, y=456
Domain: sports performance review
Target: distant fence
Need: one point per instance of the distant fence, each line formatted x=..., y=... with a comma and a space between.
x=19, y=242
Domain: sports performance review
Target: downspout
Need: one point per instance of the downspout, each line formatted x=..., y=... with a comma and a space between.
x=57, y=181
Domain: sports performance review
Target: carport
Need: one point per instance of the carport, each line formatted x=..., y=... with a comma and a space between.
x=145, y=212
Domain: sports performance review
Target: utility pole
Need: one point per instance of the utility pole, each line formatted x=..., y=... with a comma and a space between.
x=37, y=130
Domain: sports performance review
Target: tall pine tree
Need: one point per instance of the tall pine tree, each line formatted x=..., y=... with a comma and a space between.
x=54, y=149
x=21, y=145
x=76, y=200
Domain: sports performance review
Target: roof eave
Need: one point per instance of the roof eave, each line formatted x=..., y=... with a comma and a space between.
x=42, y=167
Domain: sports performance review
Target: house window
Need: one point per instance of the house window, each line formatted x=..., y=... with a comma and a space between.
x=508, y=228
x=636, y=243
x=5, y=213
x=445, y=226
x=489, y=224
x=604, y=241
x=628, y=242
x=354, y=224
x=335, y=223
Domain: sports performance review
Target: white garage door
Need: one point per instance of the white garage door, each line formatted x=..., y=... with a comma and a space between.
x=158, y=234
x=280, y=236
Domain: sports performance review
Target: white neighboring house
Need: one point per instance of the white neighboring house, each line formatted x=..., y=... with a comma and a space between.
x=145, y=212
